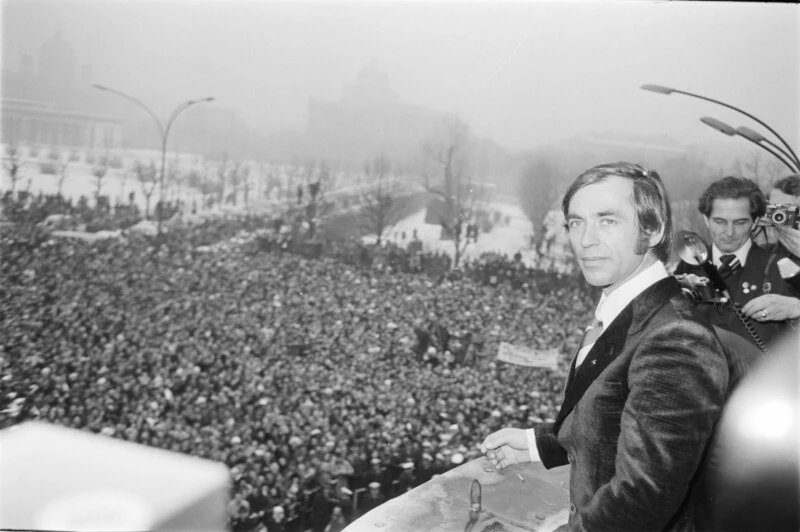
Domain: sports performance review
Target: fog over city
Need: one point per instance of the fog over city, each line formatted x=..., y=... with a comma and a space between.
x=356, y=258
x=524, y=74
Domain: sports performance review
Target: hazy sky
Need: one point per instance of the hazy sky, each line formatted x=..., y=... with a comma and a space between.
x=523, y=73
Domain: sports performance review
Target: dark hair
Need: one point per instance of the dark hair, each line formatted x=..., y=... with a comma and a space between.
x=733, y=188
x=789, y=184
x=650, y=200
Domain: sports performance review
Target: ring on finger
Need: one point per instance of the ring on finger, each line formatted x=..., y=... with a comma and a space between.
x=764, y=314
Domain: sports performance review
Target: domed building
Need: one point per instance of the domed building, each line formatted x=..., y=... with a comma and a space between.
x=368, y=120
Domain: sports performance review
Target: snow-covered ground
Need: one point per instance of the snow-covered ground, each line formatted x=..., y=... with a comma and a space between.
x=79, y=180
x=503, y=239
x=118, y=183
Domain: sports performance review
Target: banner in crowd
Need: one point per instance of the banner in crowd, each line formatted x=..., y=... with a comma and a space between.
x=526, y=356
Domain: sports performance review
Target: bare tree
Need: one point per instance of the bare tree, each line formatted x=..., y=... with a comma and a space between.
x=12, y=164
x=206, y=188
x=99, y=172
x=325, y=175
x=382, y=204
x=62, y=176
x=231, y=176
x=539, y=189
x=147, y=178
x=173, y=178
x=763, y=172
x=313, y=180
x=242, y=171
x=222, y=170
x=447, y=149
x=260, y=181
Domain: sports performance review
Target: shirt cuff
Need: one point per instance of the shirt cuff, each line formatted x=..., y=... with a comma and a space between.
x=533, y=451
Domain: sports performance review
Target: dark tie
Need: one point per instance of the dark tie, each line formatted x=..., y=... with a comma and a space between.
x=590, y=336
x=730, y=265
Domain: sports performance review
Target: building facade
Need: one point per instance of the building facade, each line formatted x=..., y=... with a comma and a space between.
x=38, y=123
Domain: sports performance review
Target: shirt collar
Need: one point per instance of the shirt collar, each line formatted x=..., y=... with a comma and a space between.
x=611, y=305
x=740, y=253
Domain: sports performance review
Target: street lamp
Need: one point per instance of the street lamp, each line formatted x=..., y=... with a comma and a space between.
x=753, y=136
x=164, y=131
x=789, y=153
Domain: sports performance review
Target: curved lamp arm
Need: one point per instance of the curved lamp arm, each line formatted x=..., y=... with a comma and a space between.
x=137, y=102
x=722, y=127
x=172, y=117
x=758, y=137
x=181, y=108
x=667, y=90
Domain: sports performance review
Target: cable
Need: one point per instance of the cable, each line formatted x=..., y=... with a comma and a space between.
x=749, y=326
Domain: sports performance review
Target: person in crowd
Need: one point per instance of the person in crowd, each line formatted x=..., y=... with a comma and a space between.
x=647, y=386
x=731, y=206
x=372, y=498
x=337, y=521
x=276, y=522
x=785, y=197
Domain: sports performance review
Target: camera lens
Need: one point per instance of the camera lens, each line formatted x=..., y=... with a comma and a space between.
x=778, y=217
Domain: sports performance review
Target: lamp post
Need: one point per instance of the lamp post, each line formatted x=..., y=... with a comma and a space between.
x=164, y=131
x=753, y=136
x=746, y=134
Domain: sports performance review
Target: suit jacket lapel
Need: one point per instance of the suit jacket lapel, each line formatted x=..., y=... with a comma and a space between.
x=632, y=318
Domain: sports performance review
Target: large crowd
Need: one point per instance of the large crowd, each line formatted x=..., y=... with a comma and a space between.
x=326, y=385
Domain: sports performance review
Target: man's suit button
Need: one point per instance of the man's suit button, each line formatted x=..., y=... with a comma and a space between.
x=572, y=508
x=570, y=459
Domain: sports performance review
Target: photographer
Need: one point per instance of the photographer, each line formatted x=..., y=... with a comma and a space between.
x=782, y=221
x=731, y=207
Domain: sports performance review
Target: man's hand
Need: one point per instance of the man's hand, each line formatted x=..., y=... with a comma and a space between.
x=790, y=238
x=772, y=307
x=506, y=447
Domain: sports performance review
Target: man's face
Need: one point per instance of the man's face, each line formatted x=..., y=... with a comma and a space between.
x=603, y=233
x=729, y=223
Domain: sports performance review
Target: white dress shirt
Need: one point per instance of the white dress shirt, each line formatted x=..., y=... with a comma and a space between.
x=741, y=253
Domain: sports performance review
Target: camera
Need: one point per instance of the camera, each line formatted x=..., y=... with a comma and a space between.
x=781, y=215
x=705, y=294
x=699, y=289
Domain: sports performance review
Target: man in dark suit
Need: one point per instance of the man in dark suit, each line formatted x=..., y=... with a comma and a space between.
x=648, y=384
x=786, y=193
x=730, y=207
